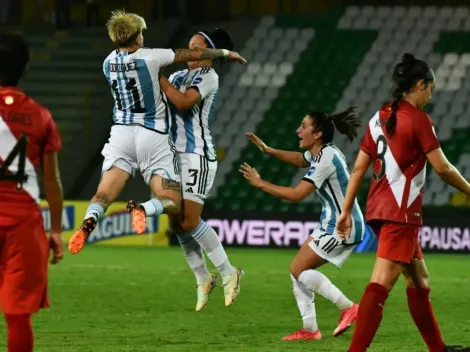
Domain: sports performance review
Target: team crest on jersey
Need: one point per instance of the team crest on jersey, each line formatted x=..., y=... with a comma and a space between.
x=311, y=171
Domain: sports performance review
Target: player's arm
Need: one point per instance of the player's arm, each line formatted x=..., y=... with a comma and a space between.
x=201, y=54
x=293, y=194
x=293, y=158
x=447, y=172
x=357, y=175
x=182, y=101
x=53, y=190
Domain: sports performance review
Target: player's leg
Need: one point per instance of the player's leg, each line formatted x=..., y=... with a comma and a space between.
x=205, y=281
x=23, y=288
x=417, y=283
x=197, y=177
x=118, y=166
x=396, y=247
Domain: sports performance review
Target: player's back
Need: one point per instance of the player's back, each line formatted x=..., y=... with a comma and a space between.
x=27, y=132
x=134, y=82
x=190, y=129
x=399, y=163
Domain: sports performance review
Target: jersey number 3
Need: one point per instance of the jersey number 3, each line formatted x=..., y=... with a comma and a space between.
x=131, y=87
x=20, y=176
x=379, y=167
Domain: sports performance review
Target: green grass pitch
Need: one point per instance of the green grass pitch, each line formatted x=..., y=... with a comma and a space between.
x=142, y=299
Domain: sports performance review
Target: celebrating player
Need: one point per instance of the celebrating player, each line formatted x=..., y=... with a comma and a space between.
x=399, y=139
x=28, y=137
x=192, y=94
x=328, y=176
x=139, y=136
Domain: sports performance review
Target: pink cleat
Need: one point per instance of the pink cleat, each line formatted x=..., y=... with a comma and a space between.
x=347, y=318
x=303, y=334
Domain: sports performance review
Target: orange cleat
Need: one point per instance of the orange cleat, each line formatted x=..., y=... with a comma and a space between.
x=303, y=334
x=347, y=318
x=78, y=240
x=139, y=219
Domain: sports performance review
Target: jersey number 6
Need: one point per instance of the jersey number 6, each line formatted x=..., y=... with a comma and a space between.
x=379, y=167
x=20, y=176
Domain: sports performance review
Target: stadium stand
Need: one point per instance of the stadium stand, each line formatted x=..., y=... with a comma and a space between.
x=341, y=60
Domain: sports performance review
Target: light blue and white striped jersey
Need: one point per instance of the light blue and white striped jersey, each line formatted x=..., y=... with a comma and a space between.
x=329, y=172
x=190, y=129
x=135, y=86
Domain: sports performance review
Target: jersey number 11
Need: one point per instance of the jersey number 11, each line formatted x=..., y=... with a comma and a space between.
x=131, y=87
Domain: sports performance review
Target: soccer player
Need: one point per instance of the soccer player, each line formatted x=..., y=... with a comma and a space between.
x=328, y=176
x=398, y=141
x=192, y=93
x=139, y=137
x=28, y=139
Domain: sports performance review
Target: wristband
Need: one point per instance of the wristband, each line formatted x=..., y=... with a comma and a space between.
x=226, y=52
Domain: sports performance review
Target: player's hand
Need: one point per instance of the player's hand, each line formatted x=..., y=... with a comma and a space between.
x=234, y=56
x=257, y=141
x=57, y=247
x=344, y=225
x=251, y=174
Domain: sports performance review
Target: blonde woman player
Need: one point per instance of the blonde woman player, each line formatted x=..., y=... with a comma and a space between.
x=139, y=137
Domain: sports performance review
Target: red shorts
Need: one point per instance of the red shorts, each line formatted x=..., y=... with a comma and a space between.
x=24, y=251
x=398, y=242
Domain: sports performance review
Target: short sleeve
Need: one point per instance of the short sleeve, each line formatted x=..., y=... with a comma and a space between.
x=319, y=172
x=367, y=143
x=308, y=156
x=205, y=83
x=52, y=141
x=426, y=134
x=165, y=57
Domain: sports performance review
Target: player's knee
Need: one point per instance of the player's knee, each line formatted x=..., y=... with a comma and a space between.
x=295, y=269
x=189, y=224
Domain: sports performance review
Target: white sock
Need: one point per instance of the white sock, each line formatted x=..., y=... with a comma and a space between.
x=94, y=211
x=194, y=256
x=319, y=283
x=208, y=239
x=306, y=304
x=153, y=207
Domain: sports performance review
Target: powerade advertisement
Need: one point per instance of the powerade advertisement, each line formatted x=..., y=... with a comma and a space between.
x=438, y=234
x=115, y=228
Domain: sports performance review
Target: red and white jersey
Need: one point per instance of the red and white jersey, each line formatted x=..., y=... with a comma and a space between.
x=19, y=114
x=399, y=162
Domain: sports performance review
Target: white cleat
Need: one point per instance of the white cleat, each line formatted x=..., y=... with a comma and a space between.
x=204, y=291
x=232, y=286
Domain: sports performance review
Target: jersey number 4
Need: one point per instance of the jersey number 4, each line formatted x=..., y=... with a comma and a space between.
x=379, y=169
x=20, y=176
x=131, y=87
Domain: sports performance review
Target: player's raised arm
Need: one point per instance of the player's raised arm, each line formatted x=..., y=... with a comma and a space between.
x=292, y=194
x=201, y=54
x=292, y=158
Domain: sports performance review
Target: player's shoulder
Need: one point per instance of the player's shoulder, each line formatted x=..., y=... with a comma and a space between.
x=111, y=56
x=325, y=156
x=208, y=71
x=150, y=53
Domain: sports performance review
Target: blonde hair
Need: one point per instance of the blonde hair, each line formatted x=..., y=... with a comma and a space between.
x=123, y=26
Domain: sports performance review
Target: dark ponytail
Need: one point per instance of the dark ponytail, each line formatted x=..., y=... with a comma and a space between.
x=405, y=75
x=217, y=38
x=347, y=123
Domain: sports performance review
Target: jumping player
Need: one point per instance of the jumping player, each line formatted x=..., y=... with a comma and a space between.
x=192, y=93
x=28, y=139
x=139, y=137
x=328, y=176
x=398, y=141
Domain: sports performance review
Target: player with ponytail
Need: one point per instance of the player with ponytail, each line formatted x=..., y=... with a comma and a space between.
x=399, y=140
x=328, y=177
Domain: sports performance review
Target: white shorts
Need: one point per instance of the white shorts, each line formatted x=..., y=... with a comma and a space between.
x=330, y=247
x=133, y=147
x=197, y=176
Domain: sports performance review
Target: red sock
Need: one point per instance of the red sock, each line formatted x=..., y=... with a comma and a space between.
x=420, y=308
x=20, y=332
x=369, y=317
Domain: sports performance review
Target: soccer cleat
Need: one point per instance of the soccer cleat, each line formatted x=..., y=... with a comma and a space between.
x=204, y=291
x=347, y=318
x=455, y=348
x=232, y=286
x=303, y=334
x=139, y=219
x=78, y=240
